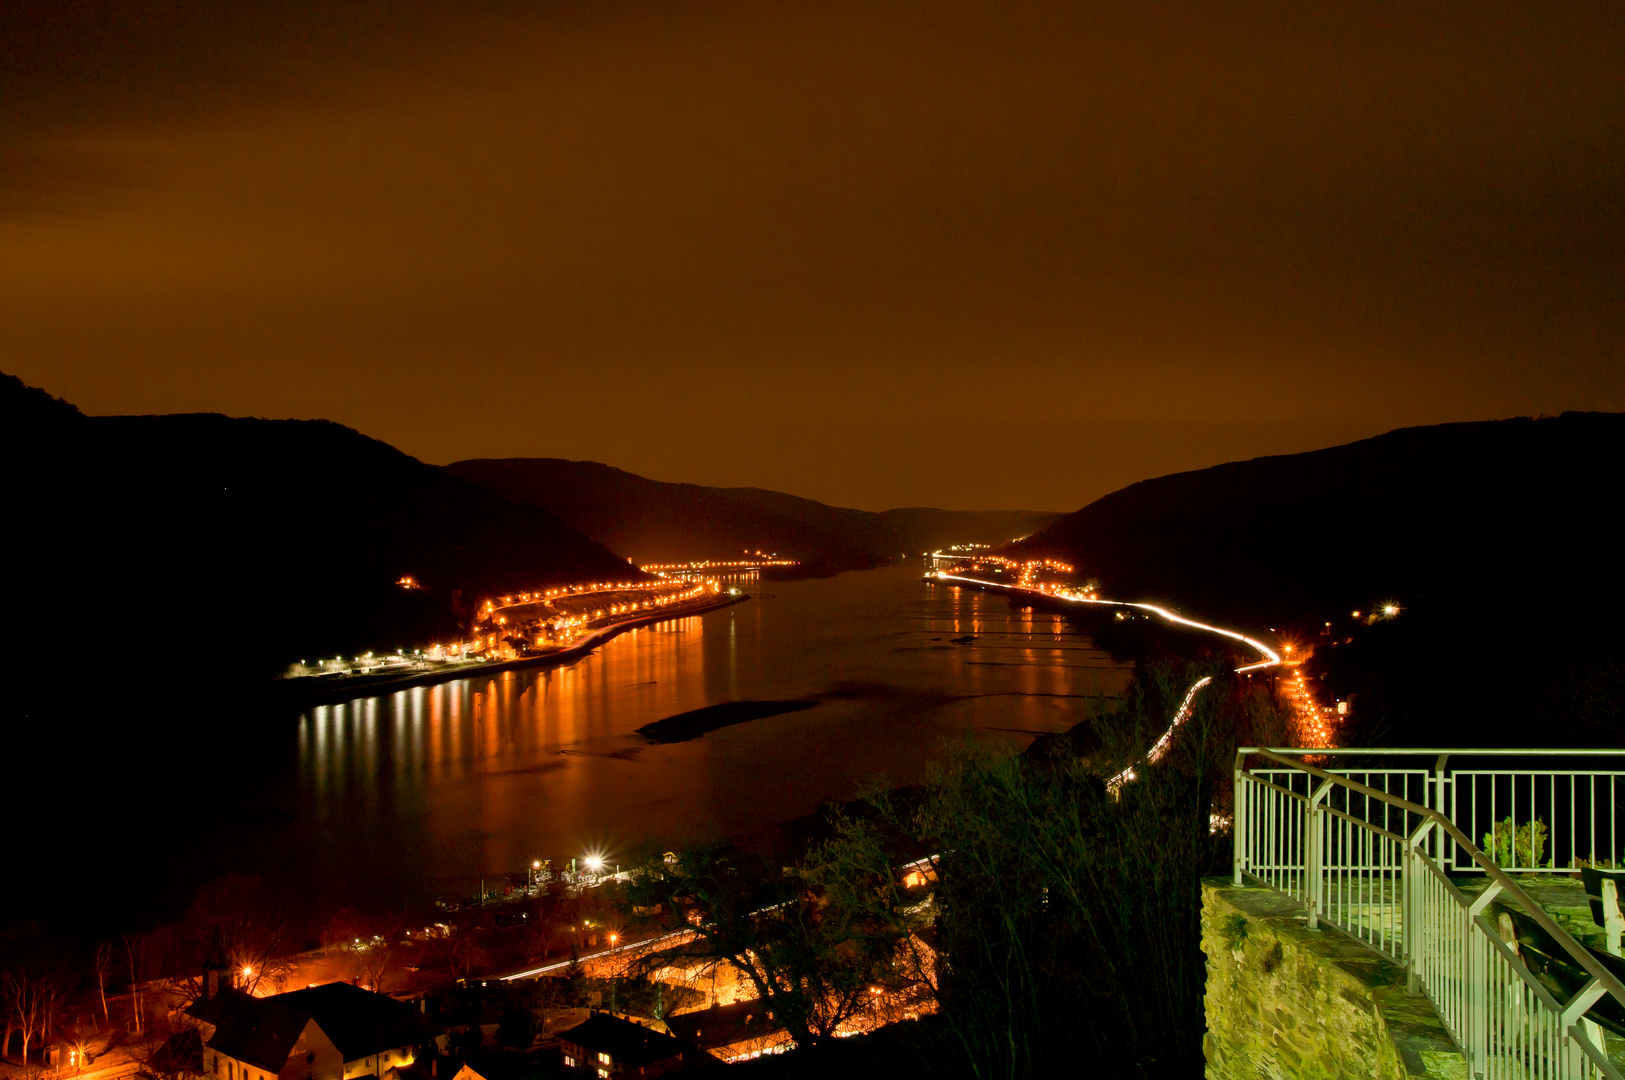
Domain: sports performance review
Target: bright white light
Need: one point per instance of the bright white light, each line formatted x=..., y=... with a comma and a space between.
x=1274, y=657
x=594, y=863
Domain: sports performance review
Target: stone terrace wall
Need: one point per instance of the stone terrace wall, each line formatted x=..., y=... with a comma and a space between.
x=1284, y=1001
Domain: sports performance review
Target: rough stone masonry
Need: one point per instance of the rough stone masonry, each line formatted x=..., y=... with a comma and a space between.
x=1284, y=1001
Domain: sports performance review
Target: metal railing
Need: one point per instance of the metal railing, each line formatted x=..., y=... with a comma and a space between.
x=1510, y=812
x=1370, y=849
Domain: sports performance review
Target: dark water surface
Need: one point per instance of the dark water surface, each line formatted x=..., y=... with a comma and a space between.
x=425, y=791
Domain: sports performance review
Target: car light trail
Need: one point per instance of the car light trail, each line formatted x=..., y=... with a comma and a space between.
x=1115, y=784
x=536, y=972
x=1160, y=747
x=1271, y=657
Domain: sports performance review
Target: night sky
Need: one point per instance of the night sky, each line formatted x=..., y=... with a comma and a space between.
x=964, y=255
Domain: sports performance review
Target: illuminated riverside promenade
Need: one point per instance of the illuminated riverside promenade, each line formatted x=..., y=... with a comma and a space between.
x=518, y=624
x=557, y=626
x=553, y=625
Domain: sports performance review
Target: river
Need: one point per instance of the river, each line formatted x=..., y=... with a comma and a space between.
x=391, y=801
x=433, y=788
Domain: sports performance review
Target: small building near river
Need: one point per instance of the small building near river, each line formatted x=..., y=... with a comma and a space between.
x=332, y=1032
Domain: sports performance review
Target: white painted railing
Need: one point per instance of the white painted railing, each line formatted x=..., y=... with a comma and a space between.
x=1368, y=849
x=1507, y=812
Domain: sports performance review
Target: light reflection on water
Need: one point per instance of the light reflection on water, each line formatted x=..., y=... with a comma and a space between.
x=431, y=788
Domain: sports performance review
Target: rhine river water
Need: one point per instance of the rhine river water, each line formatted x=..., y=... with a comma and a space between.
x=425, y=791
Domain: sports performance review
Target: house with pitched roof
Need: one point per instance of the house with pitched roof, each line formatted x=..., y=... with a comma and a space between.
x=332, y=1032
x=607, y=1046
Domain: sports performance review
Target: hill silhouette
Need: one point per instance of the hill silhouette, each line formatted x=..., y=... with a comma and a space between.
x=1499, y=540
x=204, y=547
x=654, y=521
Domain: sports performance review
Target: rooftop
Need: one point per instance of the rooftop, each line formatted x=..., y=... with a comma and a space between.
x=627, y=1043
x=723, y=1025
x=360, y=1023
x=258, y=1031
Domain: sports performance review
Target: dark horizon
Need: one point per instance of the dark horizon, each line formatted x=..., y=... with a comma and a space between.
x=961, y=256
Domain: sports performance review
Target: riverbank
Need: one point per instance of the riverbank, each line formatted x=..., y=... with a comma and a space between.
x=346, y=687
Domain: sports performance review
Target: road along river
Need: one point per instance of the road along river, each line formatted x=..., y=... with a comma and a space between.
x=1268, y=657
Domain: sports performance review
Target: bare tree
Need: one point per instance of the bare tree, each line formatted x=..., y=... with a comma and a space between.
x=135, y=945
x=252, y=926
x=27, y=990
x=461, y=953
x=257, y=963
x=34, y=980
x=22, y=1006
x=52, y=991
x=376, y=958
x=343, y=930
x=377, y=948
x=103, y=965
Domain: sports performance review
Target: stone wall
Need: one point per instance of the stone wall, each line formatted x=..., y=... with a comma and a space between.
x=1284, y=1001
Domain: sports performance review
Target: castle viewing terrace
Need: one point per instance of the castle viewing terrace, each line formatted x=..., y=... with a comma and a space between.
x=1448, y=913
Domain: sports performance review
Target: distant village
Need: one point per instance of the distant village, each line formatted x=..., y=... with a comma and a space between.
x=534, y=980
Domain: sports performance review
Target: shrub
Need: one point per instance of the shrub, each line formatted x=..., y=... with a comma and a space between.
x=1519, y=846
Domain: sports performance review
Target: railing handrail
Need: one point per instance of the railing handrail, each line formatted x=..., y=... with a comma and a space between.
x=1457, y=751
x=1581, y=955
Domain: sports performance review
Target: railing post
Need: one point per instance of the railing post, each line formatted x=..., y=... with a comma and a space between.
x=1477, y=1001
x=1313, y=853
x=1574, y=1017
x=1238, y=819
x=1416, y=935
x=1439, y=804
x=1478, y=978
x=1408, y=928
